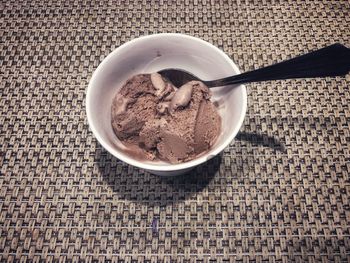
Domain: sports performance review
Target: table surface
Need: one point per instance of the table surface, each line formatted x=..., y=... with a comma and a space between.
x=279, y=192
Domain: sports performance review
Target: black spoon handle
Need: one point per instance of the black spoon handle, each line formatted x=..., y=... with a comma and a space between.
x=330, y=61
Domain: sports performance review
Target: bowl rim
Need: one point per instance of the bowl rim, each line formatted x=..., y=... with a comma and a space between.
x=168, y=167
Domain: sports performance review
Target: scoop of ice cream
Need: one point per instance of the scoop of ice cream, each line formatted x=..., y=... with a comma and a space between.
x=192, y=125
x=171, y=124
x=134, y=104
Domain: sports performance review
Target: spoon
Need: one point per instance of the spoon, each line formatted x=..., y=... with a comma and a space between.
x=330, y=61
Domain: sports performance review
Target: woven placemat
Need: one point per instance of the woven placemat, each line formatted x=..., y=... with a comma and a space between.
x=280, y=192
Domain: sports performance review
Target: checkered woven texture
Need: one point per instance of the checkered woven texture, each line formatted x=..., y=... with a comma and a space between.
x=280, y=191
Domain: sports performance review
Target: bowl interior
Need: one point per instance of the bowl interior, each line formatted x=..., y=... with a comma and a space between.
x=153, y=53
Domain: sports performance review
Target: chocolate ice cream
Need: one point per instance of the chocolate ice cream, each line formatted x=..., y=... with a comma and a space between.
x=156, y=120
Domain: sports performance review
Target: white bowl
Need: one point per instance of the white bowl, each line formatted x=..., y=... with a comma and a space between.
x=150, y=54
